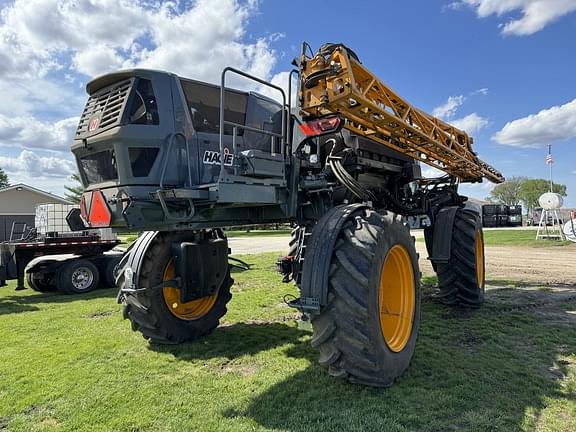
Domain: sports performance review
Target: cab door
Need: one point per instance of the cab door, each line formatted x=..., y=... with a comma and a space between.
x=204, y=107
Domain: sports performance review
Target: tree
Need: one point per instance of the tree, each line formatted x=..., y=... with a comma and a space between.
x=533, y=188
x=509, y=192
x=3, y=179
x=74, y=192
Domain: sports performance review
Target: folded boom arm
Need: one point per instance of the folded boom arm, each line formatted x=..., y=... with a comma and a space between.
x=334, y=81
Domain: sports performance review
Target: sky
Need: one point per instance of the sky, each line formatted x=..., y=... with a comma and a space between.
x=503, y=70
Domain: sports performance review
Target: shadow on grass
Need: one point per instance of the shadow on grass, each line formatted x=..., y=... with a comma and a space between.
x=234, y=341
x=26, y=302
x=482, y=373
x=473, y=371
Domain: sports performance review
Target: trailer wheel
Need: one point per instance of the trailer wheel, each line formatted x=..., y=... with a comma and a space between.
x=367, y=332
x=107, y=271
x=40, y=282
x=77, y=276
x=157, y=312
x=462, y=278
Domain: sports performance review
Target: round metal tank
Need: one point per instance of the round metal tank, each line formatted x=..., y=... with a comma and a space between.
x=550, y=200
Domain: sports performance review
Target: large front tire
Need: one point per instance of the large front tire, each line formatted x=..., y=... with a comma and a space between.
x=462, y=278
x=367, y=332
x=156, y=311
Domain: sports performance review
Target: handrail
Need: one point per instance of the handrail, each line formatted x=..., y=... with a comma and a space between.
x=224, y=122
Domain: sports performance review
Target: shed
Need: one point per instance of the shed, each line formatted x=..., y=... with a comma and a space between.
x=18, y=204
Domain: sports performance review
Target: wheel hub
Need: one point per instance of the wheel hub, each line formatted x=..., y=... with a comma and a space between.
x=397, y=298
x=191, y=310
x=82, y=278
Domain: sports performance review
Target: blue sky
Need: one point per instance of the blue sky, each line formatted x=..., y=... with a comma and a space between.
x=502, y=69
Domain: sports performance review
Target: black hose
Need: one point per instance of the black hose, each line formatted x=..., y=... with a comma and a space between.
x=238, y=263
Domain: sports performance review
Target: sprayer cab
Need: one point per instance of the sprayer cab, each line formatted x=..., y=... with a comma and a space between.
x=154, y=151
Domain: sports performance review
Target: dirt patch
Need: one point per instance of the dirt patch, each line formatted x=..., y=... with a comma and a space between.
x=244, y=369
x=545, y=266
x=102, y=314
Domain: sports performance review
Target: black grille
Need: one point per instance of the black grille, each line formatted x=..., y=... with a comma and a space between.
x=104, y=109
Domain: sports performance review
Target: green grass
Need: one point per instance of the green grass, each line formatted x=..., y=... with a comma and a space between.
x=70, y=363
x=516, y=238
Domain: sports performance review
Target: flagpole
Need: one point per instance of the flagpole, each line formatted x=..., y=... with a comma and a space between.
x=550, y=165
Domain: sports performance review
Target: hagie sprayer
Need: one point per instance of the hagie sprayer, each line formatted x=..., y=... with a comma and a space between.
x=182, y=159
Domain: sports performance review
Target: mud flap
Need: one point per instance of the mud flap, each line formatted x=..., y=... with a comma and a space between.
x=319, y=249
x=442, y=237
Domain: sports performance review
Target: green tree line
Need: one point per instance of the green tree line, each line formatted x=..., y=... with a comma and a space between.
x=523, y=190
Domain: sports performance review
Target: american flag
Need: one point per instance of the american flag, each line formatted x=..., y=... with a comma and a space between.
x=549, y=160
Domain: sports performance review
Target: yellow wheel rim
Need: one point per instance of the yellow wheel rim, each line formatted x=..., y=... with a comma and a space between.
x=191, y=310
x=479, y=258
x=397, y=298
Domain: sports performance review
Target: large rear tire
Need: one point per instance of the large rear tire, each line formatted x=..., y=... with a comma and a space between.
x=156, y=312
x=462, y=278
x=367, y=332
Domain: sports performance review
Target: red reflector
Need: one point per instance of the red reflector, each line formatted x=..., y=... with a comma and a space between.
x=321, y=126
x=83, y=211
x=100, y=215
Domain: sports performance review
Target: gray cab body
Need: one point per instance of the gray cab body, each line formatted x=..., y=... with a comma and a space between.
x=153, y=138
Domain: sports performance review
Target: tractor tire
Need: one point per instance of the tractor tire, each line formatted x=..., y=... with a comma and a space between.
x=367, y=332
x=156, y=312
x=77, y=276
x=39, y=284
x=462, y=278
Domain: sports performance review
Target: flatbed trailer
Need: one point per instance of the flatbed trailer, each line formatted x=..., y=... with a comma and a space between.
x=68, y=263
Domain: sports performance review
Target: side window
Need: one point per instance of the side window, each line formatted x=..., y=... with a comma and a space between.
x=143, y=109
x=204, y=105
x=264, y=114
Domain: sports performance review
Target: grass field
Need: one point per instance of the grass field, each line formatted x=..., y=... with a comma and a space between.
x=70, y=363
x=516, y=238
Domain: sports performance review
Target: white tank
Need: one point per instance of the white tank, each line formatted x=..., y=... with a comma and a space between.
x=550, y=200
x=570, y=230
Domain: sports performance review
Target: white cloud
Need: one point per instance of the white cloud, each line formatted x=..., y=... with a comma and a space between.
x=29, y=165
x=92, y=38
x=476, y=190
x=29, y=132
x=49, y=47
x=535, y=14
x=471, y=124
x=449, y=108
x=553, y=124
x=480, y=92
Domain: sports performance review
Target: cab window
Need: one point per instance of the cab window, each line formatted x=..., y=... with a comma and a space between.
x=204, y=105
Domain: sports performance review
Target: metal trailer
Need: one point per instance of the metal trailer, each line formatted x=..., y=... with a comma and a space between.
x=68, y=263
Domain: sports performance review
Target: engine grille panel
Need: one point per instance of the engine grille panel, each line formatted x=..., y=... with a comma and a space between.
x=104, y=109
